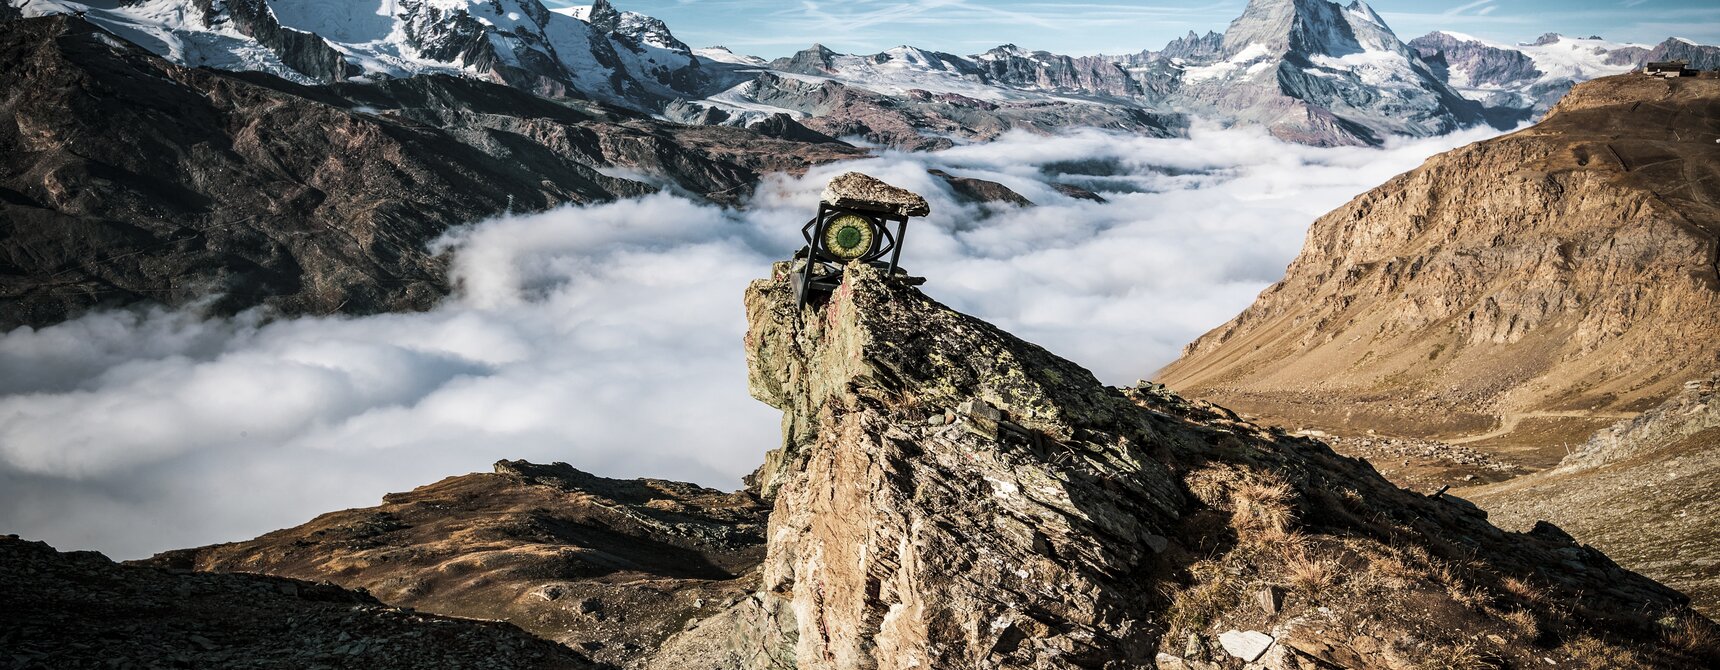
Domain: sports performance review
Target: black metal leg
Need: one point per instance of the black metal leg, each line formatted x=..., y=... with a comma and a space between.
x=805, y=288
x=896, y=253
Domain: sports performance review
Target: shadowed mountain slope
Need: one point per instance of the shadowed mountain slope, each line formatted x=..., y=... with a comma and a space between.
x=125, y=178
x=80, y=610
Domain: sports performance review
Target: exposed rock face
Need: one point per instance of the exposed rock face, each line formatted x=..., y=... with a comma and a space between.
x=1195, y=47
x=1642, y=490
x=1095, y=75
x=1543, y=282
x=1699, y=56
x=816, y=59
x=645, y=30
x=1475, y=63
x=949, y=496
x=304, y=52
x=80, y=610
x=126, y=178
x=605, y=566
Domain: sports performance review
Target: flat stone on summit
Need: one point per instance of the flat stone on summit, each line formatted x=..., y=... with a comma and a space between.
x=853, y=190
x=1246, y=645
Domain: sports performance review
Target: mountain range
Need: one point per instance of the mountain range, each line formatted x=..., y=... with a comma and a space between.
x=1309, y=71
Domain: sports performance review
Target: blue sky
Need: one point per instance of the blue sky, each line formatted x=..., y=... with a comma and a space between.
x=1078, y=27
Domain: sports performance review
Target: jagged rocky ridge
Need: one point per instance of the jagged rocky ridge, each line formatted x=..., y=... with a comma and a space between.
x=1309, y=71
x=1544, y=282
x=950, y=496
x=127, y=178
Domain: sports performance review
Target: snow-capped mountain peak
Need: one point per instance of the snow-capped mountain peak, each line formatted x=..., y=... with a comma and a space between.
x=517, y=42
x=647, y=30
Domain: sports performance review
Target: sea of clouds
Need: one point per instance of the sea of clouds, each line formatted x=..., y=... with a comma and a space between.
x=609, y=337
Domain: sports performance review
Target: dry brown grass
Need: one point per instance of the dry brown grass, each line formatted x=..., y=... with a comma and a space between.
x=1524, y=622
x=1310, y=575
x=1392, y=571
x=1460, y=656
x=1523, y=590
x=1694, y=636
x=1260, y=509
x=1195, y=606
x=1591, y=652
x=1211, y=486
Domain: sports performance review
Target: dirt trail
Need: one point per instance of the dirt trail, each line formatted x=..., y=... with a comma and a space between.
x=1509, y=420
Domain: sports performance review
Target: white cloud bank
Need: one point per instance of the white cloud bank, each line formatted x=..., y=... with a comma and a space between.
x=609, y=336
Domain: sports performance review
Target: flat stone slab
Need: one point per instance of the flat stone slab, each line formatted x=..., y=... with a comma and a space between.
x=1246, y=645
x=854, y=190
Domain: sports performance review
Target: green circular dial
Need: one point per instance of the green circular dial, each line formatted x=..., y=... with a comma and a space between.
x=849, y=237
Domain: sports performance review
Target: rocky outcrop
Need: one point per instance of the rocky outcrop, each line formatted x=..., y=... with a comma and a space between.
x=80, y=610
x=981, y=191
x=1475, y=63
x=129, y=179
x=607, y=567
x=949, y=496
x=1195, y=47
x=1543, y=282
x=1698, y=56
x=1641, y=490
x=1092, y=75
x=304, y=52
x=814, y=60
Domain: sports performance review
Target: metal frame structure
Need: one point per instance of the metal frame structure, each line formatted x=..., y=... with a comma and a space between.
x=814, y=254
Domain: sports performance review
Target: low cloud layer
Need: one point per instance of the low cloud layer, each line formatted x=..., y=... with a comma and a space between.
x=609, y=336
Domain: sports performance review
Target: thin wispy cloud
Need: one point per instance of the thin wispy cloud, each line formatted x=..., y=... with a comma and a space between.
x=1460, y=9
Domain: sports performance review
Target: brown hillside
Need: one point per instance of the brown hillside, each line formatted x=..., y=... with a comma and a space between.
x=1521, y=291
x=608, y=567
